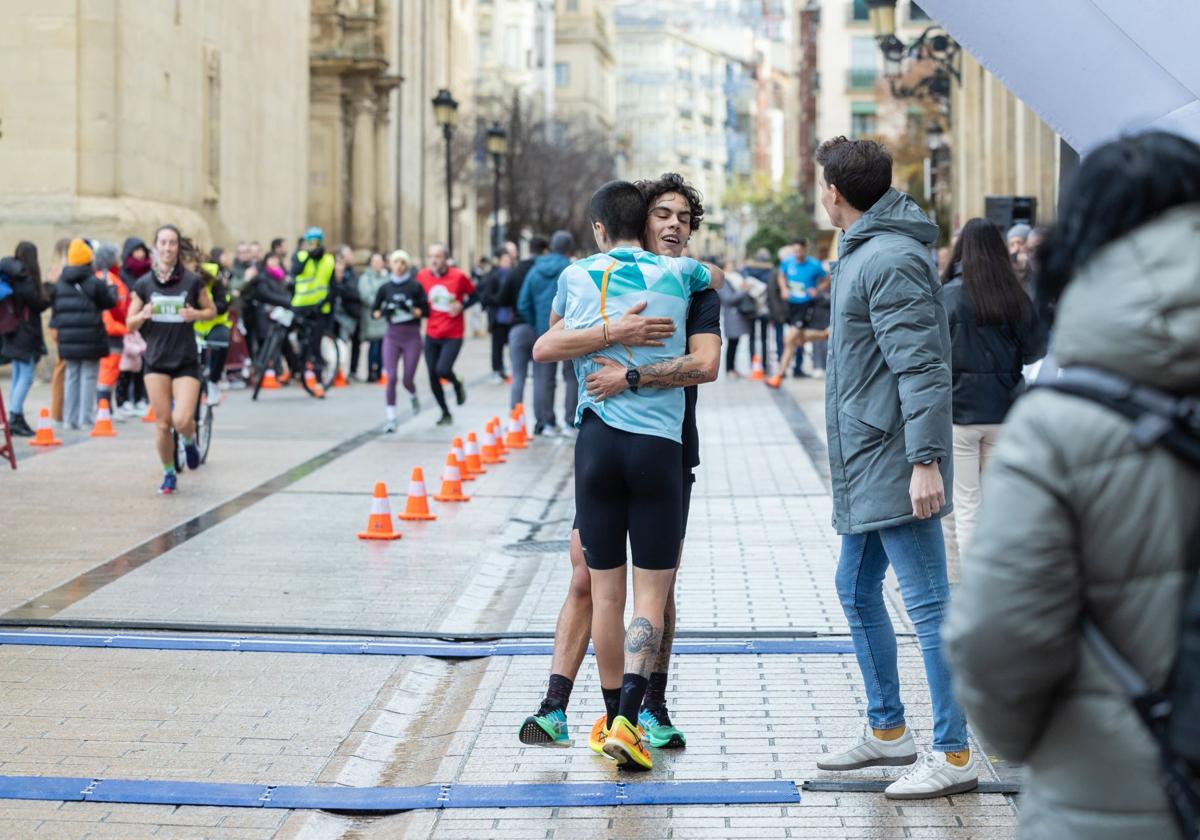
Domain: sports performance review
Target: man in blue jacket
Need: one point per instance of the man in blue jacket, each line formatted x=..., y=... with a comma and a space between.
x=533, y=305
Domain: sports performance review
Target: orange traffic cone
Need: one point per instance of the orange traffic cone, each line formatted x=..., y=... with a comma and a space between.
x=515, y=439
x=285, y=378
x=104, y=426
x=149, y=416
x=498, y=431
x=490, y=454
x=270, y=383
x=45, y=431
x=474, y=462
x=756, y=369
x=456, y=448
x=451, y=482
x=339, y=381
x=379, y=526
x=311, y=381
x=417, y=509
x=383, y=379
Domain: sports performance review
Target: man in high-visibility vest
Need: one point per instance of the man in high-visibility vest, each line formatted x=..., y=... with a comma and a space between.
x=312, y=273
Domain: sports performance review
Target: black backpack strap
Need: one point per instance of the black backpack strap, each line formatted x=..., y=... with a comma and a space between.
x=1158, y=417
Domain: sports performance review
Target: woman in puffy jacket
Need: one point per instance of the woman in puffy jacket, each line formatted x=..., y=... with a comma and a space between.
x=1079, y=520
x=993, y=334
x=77, y=300
x=24, y=345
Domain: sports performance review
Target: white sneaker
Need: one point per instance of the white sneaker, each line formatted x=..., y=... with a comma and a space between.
x=874, y=752
x=496, y=378
x=142, y=407
x=934, y=776
x=214, y=394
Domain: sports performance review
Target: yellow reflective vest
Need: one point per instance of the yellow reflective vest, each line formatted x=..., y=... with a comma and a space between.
x=208, y=275
x=312, y=283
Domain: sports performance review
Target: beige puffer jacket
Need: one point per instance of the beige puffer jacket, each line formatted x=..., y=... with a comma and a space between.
x=1077, y=519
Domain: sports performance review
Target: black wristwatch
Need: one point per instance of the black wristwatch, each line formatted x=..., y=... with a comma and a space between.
x=633, y=378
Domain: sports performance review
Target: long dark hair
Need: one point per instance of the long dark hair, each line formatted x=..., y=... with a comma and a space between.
x=1118, y=187
x=27, y=255
x=988, y=277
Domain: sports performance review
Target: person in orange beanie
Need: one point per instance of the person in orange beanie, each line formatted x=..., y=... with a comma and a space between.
x=76, y=301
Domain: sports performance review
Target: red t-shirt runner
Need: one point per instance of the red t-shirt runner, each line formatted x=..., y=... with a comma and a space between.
x=442, y=291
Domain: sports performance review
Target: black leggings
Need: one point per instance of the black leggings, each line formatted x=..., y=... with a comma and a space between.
x=627, y=484
x=440, y=355
x=731, y=349
x=499, y=342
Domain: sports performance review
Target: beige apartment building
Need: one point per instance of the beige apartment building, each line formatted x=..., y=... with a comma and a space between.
x=119, y=116
x=584, y=68
x=1000, y=148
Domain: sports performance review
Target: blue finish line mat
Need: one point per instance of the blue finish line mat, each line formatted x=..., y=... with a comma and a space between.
x=441, y=650
x=391, y=799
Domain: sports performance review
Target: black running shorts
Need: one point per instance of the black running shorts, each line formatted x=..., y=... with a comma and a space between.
x=801, y=314
x=627, y=485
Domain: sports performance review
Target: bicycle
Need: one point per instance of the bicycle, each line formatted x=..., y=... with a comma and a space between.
x=204, y=415
x=283, y=321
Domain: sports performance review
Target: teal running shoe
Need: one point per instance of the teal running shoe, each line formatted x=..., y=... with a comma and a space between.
x=548, y=728
x=660, y=732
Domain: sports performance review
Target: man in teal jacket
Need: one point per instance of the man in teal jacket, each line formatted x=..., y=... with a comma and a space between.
x=888, y=412
x=533, y=305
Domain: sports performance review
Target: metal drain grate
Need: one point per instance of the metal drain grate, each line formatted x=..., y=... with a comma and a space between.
x=539, y=547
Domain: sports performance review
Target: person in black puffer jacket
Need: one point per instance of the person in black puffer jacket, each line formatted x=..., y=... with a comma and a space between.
x=77, y=300
x=993, y=333
x=24, y=345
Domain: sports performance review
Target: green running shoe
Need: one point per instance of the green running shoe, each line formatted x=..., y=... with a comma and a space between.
x=548, y=728
x=660, y=732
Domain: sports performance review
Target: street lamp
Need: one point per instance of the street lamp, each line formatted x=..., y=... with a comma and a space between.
x=933, y=185
x=445, y=111
x=931, y=45
x=497, y=146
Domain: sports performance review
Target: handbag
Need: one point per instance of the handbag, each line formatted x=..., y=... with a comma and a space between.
x=747, y=306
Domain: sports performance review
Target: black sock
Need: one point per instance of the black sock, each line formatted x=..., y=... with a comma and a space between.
x=633, y=688
x=656, y=691
x=558, y=694
x=612, y=699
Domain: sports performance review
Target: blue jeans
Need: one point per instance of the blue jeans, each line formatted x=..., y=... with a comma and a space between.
x=22, y=381
x=918, y=554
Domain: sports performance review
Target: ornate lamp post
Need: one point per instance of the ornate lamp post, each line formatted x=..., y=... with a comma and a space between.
x=934, y=44
x=445, y=111
x=497, y=146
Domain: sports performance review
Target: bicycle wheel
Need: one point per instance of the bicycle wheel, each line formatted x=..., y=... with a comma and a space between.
x=204, y=421
x=331, y=359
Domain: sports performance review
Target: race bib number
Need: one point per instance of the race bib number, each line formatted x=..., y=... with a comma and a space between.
x=440, y=298
x=167, y=309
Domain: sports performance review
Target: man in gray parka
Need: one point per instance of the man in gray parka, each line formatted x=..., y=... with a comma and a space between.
x=887, y=406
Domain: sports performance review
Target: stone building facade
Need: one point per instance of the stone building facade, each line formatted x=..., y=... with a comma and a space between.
x=119, y=115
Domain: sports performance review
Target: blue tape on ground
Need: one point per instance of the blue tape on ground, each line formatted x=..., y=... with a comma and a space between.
x=441, y=650
x=398, y=798
x=179, y=793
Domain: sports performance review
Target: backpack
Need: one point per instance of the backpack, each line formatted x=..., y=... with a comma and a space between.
x=9, y=320
x=1171, y=713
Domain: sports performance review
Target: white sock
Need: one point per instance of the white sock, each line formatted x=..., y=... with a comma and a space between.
x=391, y=412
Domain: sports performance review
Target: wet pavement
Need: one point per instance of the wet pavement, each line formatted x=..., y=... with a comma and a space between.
x=264, y=535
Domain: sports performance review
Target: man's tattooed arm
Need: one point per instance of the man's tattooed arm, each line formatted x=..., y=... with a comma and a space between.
x=672, y=373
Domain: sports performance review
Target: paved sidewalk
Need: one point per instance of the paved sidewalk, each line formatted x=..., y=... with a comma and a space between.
x=760, y=555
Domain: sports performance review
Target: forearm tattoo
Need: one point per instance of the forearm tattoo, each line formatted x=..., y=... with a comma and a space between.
x=671, y=373
x=642, y=641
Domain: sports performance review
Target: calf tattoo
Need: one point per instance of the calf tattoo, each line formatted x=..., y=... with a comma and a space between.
x=642, y=641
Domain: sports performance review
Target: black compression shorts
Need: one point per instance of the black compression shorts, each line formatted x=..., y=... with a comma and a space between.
x=689, y=481
x=801, y=314
x=187, y=369
x=627, y=484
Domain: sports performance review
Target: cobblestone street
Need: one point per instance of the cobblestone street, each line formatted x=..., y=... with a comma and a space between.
x=759, y=559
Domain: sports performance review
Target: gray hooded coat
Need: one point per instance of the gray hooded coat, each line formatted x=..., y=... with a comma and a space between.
x=1076, y=519
x=888, y=387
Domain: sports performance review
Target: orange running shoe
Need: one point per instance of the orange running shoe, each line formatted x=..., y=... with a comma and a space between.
x=625, y=746
x=774, y=381
x=599, y=734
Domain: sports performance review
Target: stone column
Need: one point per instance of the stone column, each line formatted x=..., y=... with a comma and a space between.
x=385, y=229
x=362, y=168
